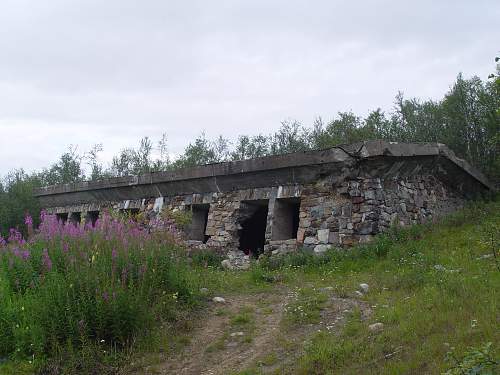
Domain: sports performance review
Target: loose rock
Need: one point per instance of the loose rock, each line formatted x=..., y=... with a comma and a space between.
x=237, y=260
x=219, y=300
x=364, y=287
x=376, y=327
x=321, y=249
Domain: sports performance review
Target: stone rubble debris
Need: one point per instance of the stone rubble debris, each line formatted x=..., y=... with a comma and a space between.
x=236, y=260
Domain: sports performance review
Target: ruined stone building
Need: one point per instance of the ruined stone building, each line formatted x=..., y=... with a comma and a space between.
x=312, y=200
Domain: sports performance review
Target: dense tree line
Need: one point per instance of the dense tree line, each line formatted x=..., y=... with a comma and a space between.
x=467, y=119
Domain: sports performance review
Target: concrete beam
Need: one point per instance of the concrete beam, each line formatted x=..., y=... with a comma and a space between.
x=371, y=157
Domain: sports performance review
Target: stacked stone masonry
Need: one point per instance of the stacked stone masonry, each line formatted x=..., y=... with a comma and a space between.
x=339, y=202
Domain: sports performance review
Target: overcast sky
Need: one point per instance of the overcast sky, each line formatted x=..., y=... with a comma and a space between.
x=83, y=72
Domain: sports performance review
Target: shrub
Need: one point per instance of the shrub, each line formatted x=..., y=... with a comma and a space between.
x=73, y=287
x=476, y=360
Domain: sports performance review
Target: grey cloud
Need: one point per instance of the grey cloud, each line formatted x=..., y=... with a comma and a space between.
x=113, y=71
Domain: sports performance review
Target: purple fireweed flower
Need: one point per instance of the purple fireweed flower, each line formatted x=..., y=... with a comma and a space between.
x=16, y=252
x=65, y=247
x=21, y=254
x=28, y=220
x=16, y=236
x=114, y=254
x=105, y=296
x=47, y=262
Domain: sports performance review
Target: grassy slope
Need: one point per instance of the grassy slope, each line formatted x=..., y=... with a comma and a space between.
x=426, y=310
x=430, y=289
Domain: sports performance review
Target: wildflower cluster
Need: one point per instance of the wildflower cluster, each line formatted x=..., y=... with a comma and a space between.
x=73, y=284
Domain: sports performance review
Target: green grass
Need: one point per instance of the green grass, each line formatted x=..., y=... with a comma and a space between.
x=435, y=288
x=244, y=318
x=76, y=301
x=244, y=321
x=305, y=308
x=431, y=289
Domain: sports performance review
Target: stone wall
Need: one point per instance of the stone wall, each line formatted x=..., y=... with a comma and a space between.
x=311, y=200
x=356, y=210
x=329, y=214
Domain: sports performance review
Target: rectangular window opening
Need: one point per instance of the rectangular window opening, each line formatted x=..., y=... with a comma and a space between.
x=92, y=217
x=286, y=218
x=62, y=217
x=199, y=220
x=75, y=218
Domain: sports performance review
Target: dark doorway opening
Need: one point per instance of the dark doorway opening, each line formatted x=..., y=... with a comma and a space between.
x=253, y=223
x=75, y=218
x=199, y=219
x=92, y=217
x=286, y=218
x=62, y=218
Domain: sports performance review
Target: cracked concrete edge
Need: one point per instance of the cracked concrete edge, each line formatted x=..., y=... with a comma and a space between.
x=338, y=154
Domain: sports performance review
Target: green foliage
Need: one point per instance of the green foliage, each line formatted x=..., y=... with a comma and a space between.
x=75, y=301
x=474, y=361
x=206, y=258
x=306, y=307
x=68, y=169
x=243, y=318
x=182, y=218
x=132, y=161
x=17, y=200
x=203, y=151
x=431, y=286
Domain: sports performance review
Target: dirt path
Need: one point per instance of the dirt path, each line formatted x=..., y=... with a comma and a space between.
x=219, y=347
x=246, y=331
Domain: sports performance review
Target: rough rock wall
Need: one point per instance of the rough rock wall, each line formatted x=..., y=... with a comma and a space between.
x=352, y=212
x=330, y=213
x=358, y=209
